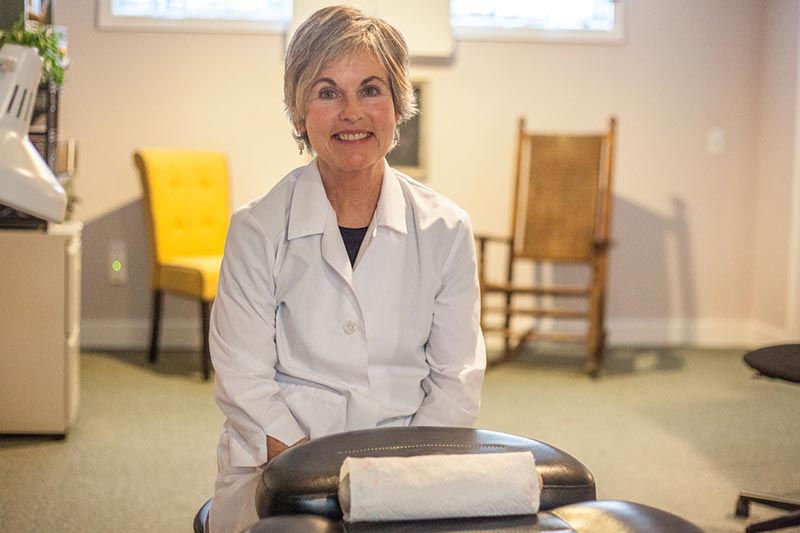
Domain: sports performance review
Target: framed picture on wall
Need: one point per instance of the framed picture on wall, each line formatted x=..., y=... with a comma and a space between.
x=38, y=10
x=410, y=155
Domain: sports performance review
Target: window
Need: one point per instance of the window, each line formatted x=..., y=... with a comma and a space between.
x=538, y=20
x=257, y=16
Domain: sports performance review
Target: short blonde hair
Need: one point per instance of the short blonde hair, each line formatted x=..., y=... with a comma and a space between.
x=332, y=33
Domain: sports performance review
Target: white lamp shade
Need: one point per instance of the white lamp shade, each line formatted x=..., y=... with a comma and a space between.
x=26, y=182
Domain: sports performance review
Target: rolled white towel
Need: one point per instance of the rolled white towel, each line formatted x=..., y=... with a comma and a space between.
x=438, y=486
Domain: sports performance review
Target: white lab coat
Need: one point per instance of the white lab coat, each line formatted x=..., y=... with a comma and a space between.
x=303, y=345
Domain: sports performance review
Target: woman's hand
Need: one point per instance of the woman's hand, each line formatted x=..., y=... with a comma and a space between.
x=276, y=447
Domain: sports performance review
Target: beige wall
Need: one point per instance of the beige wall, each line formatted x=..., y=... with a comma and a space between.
x=776, y=146
x=686, y=226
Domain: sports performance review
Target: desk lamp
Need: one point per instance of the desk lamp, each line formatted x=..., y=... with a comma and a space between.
x=26, y=182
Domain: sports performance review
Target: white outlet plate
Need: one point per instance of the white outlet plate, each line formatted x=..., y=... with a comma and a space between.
x=715, y=141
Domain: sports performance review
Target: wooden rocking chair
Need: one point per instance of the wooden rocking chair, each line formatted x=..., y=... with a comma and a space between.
x=561, y=213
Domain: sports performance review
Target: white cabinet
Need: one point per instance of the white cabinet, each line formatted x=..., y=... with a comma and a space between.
x=40, y=293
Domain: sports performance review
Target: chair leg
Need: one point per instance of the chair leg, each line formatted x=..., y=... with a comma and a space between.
x=507, y=325
x=602, y=327
x=509, y=299
x=158, y=298
x=777, y=502
x=205, y=310
x=597, y=343
x=781, y=522
x=594, y=338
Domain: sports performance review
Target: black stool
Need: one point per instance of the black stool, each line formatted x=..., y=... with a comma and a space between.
x=584, y=517
x=298, y=490
x=780, y=362
x=201, y=518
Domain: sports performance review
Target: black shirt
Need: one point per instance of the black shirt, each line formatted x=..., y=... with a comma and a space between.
x=352, y=238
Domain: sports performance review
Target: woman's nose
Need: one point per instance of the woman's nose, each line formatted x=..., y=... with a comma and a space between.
x=351, y=109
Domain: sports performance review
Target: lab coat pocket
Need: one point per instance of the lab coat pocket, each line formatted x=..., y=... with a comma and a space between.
x=239, y=453
x=317, y=410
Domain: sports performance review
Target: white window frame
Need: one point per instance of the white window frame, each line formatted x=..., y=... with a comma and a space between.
x=497, y=33
x=106, y=20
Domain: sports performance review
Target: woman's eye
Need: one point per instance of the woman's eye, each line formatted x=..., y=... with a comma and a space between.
x=371, y=90
x=327, y=93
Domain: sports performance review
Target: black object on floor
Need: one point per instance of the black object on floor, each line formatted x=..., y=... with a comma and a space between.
x=779, y=362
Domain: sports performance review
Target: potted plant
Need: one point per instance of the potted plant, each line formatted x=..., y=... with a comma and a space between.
x=44, y=39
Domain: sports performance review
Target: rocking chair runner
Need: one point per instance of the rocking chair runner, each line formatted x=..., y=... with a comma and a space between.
x=561, y=213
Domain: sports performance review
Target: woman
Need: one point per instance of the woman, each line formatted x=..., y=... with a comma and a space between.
x=348, y=295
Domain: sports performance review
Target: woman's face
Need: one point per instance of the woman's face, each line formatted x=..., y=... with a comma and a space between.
x=350, y=116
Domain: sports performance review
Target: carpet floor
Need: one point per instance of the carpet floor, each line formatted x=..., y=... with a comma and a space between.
x=680, y=429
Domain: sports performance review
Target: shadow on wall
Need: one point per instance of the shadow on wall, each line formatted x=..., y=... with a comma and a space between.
x=651, y=280
x=116, y=314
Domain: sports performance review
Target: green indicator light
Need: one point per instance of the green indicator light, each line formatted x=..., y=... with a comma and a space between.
x=116, y=265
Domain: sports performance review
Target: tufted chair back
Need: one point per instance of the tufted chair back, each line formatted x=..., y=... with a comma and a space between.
x=186, y=200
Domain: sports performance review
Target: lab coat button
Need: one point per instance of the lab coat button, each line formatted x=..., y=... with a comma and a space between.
x=350, y=327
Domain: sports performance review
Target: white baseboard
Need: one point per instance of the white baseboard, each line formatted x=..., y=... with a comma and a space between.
x=703, y=332
x=769, y=334
x=709, y=333
x=120, y=334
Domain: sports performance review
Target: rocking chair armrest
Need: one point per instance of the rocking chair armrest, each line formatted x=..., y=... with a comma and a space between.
x=480, y=238
x=602, y=245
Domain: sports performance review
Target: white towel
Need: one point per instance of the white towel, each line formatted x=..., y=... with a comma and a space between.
x=438, y=486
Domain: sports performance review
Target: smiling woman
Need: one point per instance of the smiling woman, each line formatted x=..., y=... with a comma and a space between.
x=350, y=122
x=348, y=295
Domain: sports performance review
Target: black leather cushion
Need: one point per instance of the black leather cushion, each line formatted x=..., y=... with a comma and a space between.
x=200, y=524
x=304, y=479
x=586, y=517
x=295, y=524
x=622, y=517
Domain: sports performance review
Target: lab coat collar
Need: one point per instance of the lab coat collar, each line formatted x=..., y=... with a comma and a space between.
x=310, y=207
x=391, y=209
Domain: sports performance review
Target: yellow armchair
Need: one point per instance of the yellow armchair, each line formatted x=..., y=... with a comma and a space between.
x=187, y=210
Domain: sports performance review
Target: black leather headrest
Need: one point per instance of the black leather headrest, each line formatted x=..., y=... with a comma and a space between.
x=304, y=479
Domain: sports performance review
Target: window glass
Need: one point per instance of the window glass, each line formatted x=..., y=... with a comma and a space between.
x=538, y=19
x=203, y=9
x=220, y=15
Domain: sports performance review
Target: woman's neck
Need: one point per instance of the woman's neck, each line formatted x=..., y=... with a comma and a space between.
x=353, y=197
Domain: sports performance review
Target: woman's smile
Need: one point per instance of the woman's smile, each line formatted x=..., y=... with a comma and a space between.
x=352, y=136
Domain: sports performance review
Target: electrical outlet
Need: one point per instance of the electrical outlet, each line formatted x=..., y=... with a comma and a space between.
x=117, y=263
x=715, y=141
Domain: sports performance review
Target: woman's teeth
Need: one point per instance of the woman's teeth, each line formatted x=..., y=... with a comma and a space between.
x=352, y=136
